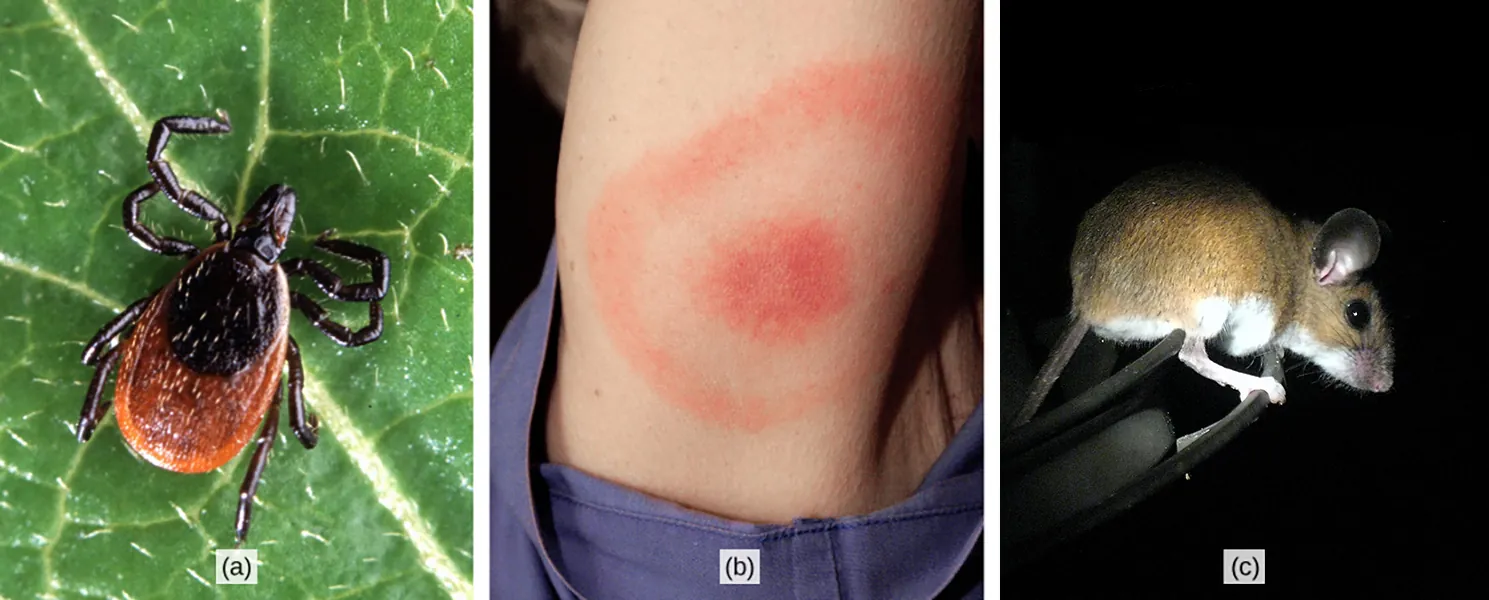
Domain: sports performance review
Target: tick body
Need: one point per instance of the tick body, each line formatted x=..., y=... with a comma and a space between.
x=205, y=362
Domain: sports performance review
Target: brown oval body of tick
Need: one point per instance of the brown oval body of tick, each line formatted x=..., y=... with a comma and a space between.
x=182, y=416
x=202, y=368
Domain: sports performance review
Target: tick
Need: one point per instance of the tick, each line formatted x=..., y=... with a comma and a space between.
x=204, y=363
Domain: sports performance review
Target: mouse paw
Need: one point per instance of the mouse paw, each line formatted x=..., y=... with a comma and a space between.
x=1278, y=394
x=1274, y=390
x=1193, y=354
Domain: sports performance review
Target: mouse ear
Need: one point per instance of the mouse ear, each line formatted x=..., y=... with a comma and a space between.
x=1347, y=244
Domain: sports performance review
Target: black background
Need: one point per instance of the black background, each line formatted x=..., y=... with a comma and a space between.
x=1344, y=491
x=524, y=168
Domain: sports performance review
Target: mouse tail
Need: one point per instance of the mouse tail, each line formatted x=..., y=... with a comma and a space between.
x=1054, y=365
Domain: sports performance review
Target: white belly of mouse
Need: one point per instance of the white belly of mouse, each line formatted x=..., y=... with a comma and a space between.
x=1243, y=327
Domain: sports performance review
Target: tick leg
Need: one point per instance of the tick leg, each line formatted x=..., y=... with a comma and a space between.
x=336, y=331
x=142, y=235
x=93, y=410
x=1193, y=354
x=331, y=284
x=304, y=424
x=256, y=468
x=112, y=329
x=165, y=178
x=161, y=134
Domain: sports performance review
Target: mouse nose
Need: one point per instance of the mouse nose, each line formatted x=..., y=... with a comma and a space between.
x=1381, y=383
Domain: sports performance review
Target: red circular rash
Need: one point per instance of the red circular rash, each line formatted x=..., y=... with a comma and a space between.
x=776, y=280
x=767, y=221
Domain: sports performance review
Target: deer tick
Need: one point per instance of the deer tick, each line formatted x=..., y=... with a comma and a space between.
x=204, y=364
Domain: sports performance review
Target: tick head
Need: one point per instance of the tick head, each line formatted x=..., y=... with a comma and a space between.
x=266, y=227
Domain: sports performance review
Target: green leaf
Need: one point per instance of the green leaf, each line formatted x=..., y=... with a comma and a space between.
x=365, y=109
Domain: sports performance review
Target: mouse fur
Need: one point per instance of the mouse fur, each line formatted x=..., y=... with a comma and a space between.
x=1195, y=247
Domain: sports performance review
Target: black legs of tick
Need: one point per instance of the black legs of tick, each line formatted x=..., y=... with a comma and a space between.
x=336, y=331
x=256, y=469
x=161, y=135
x=305, y=425
x=114, y=327
x=93, y=410
x=331, y=284
x=142, y=235
x=305, y=429
x=164, y=180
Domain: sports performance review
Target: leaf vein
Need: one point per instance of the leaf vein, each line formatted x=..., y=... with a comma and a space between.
x=261, y=124
x=115, y=90
x=387, y=490
x=19, y=266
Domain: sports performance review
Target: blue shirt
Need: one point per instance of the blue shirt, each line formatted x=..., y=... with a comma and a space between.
x=558, y=533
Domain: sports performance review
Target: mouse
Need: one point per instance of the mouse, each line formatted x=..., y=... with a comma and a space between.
x=1194, y=246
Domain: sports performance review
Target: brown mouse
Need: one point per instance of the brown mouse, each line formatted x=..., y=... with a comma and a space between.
x=1194, y=247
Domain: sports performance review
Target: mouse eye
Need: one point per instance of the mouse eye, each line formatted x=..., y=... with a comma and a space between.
x=1358, y=314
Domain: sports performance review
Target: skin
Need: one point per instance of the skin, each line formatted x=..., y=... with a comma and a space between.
x=762, y=314
x=777, y=282
x=785, y=270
